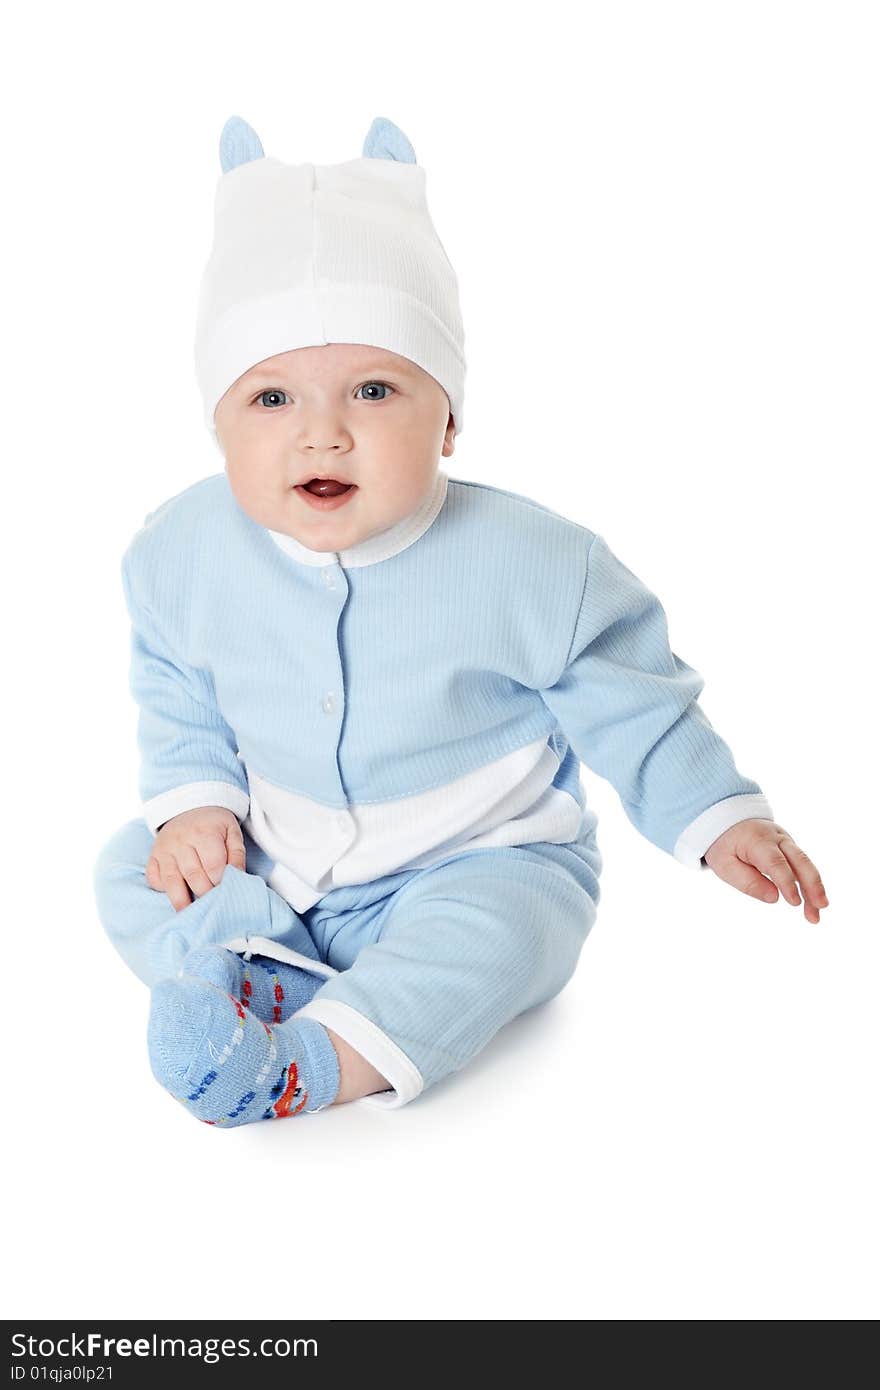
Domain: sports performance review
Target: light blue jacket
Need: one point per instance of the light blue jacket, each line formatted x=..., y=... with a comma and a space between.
x=432, y=690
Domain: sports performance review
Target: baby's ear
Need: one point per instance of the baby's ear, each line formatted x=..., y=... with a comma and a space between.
x=385, y=140
x=239, y=144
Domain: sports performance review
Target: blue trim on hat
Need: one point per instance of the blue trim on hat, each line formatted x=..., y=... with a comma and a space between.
x=239, y=144
x=385, y=140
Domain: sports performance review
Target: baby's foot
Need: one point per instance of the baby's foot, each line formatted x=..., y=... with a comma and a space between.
x=271, y=989
x=221, y=967
x=229, y=1068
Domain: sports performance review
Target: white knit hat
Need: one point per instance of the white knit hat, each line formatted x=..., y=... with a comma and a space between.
x=306, y=254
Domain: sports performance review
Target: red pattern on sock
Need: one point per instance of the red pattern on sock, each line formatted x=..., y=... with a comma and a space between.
x=291, y=1091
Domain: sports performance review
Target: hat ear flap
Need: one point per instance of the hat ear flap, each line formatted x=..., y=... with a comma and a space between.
x=239, y=144
x=385, y=140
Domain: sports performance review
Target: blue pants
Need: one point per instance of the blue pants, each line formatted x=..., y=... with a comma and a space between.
x=423, y=966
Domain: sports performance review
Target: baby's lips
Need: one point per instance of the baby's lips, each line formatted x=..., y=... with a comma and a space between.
x=326, y=487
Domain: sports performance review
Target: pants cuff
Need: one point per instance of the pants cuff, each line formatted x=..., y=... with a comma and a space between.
x=248, y=946
x=378, y=1049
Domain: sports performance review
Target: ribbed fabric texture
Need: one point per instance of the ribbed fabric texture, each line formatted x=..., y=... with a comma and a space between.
x=308, y=254
x=462, y=950
x=645, y=732
x=502, y=624
x=422, y=967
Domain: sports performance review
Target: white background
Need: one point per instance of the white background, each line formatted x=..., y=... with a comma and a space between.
x=665, y=222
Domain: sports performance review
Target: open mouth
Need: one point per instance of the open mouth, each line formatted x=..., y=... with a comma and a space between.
x=326, y=487
x=325, y=493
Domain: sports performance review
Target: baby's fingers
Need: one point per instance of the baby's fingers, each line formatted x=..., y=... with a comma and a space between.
x=167, y=877
x=808, y=876
x=235, y=851
x=190, y=864
x=745, y=877
x=214, y=856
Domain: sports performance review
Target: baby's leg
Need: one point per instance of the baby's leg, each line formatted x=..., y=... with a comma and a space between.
x=230, y=1068
x=465, y=946
x=357, y=1076
x=154, y=939
x=271, y=989
x=181, y=955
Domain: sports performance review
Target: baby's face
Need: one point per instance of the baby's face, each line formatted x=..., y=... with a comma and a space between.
x=342, y=410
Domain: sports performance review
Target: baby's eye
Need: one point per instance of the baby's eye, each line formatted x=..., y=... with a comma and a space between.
x=273, y=392
x=371, y=385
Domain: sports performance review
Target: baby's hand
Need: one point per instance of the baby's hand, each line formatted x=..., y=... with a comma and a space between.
x=752, y=848
x=194, y=848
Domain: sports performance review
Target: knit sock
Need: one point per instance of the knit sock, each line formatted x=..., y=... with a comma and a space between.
x=228, y=1067
x=271, y=989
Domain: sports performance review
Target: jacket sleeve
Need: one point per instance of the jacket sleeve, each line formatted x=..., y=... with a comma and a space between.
x=629, y=708
x=189, y=754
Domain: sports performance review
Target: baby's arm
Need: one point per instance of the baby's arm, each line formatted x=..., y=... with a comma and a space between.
x=629, y=707
x=192, y=781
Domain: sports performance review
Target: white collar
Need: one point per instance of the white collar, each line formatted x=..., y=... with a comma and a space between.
x=379, y=547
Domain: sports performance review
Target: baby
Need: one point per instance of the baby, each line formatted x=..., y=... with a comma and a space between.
x=366, y=688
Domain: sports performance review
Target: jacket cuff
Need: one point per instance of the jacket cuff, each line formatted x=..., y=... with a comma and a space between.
x=696, y=838
x=161, y=808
